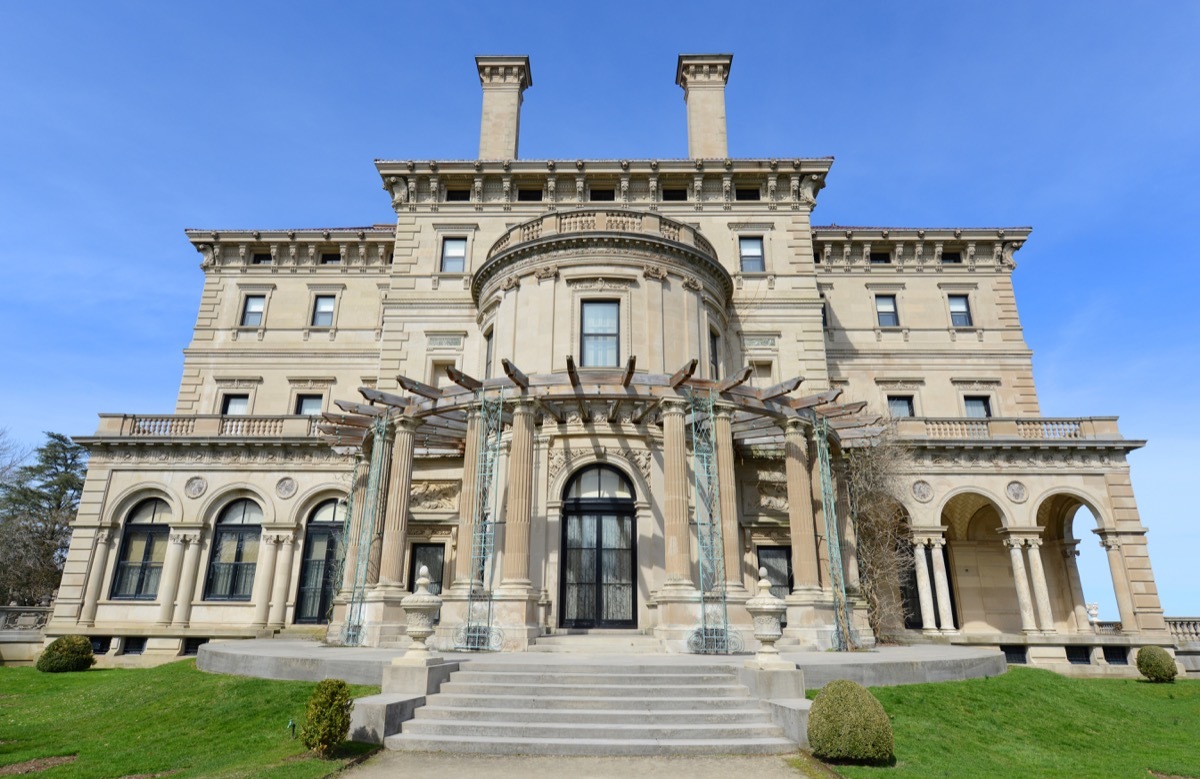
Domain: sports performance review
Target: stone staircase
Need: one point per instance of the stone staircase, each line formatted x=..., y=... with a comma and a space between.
x=598, y=642
x=592, y=708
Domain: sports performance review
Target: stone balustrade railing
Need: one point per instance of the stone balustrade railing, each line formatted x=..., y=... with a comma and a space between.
x=993, y=428
x=602, y=220
x=1184, y=629
x=24, y=618
x=206, y=426
x=1106, y=628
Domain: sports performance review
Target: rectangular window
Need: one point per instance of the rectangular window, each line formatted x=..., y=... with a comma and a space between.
x=747, y=194
x=750, y=250
x=529, y=195
x=952, y=258
x=600, y=334
x=433, y=557
x=309, y=405
x=714, y=355
x=960, y=311
x=252, y=310
x=978, y=406
x=454, y=255
x=900, y=405
x=488, y=345
x=331, y=258
x=260, y=258
x=134, y=645
x=458, y=195
x=761, y=373
x=603, y=195
x=322, y=315
x=881, y=258
x=674, y=195
x=778, y=562
x=235, y=405
x=885, y=311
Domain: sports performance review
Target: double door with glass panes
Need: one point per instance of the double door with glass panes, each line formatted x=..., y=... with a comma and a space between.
x=319, y=573
x=599, y=560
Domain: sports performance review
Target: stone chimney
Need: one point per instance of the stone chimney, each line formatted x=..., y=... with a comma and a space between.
x=504, y=80
x=703, y=78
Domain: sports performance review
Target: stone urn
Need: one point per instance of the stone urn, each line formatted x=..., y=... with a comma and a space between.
x=767, y=611
x=420, y=608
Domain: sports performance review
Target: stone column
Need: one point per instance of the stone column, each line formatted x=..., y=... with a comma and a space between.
x=1041, y=594
x=466, y=505
x=91, y=596
x=1078, y=602
x=1017, y=558
x=395, y=516
x=362, y=468
x=264, y=577
x=168, y=583
x=282, y=587
x=727, y=484
x=519, y=507
x=1116, y=565
x=678, y=532
x=818, y=510
x=847, y=529
x=921, y=564
x=942, y=584
x=377, y=519
x=800, y=509
x=187, y=582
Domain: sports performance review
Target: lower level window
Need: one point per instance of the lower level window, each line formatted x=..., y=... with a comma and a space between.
x=600, y=334
x=977, y=406
x=900, y=405
x=234, y=552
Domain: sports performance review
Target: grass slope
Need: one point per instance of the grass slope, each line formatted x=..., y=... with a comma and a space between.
x=1031, y=723
x=146, y=721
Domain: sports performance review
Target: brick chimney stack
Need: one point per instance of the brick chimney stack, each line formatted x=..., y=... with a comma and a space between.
x=504, y=80
x=703, y=78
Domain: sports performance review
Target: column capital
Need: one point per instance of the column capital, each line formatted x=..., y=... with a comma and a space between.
x=1014, y=543
x=937, y=542
x=105, y=534
x=798, y=424
x=406, y=422
x=918, y=542
x=1033, y=542
x=724, y=410
x=279, y=538
x=673, y=405
x=185, y=536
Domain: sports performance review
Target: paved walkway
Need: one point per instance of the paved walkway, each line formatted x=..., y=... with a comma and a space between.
x=388, y=765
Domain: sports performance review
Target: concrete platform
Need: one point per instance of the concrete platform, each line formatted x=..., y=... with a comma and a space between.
x=886, y=666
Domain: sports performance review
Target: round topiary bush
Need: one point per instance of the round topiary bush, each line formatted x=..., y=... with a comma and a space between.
x=68, y=653
x=327, y=717
x=1156, y=664
x=847, y=724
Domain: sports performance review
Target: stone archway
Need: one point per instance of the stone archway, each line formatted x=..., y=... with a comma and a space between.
x=981, y=570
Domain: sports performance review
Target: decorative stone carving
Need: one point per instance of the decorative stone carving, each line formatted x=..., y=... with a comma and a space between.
x=767, y=611
x=765, y=496
x=286, y=487
x=654, y=272
x=510, y=282
x=547, y=272
x=195, y=487
x=597, y=283
x=434, y=495
x=421, y=608
x=1016, y=492
x=693, y=284
x=922, y=491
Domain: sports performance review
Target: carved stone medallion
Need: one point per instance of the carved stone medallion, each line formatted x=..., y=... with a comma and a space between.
x=195, y=487
x=1016, y=492
x=922, y=491
x=286, y=487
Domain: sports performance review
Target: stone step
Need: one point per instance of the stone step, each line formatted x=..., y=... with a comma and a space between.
x=639, y=668
x=598, y=643
x=497, y=745
x=588, y=690
x=615, y=716
x=569, y=677
x=661, y=703
x=587, y=730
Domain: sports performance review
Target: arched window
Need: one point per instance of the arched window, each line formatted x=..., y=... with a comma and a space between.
x=323, y=553
x=143, y=547
x=599, y=559
x=234, y=552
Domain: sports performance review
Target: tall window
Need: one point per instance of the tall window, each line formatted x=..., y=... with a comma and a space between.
x=234, y=552
x=960, y=311
x=900, y=405
x=600, y=334
x=319, y=567
x=143, y=547
x=488, y=345
x=714, y=355
x=322, y=315
x=978, y=406
x=885, y=311
x=235, y=405
x=252, y=310
x=750, y=250
x=309, y=405
x=454, y=255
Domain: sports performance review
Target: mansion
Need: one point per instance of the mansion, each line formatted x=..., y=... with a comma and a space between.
x=600, y=395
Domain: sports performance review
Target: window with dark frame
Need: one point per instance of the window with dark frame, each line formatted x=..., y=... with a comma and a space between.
x=260, y=258
x=880, y=258
x=322, y=314
x=599, y=334
x=458, y=195
x=978, y=406
x=960, y=311
x=252, y=310
x=529, y=195
x=454, y=255
x=143, y=549
x=234, y=552
x=714, y=355
x=952, y=258
x=750, y=252
x=488, y=346
x=900, y=406
x=309, y=405
x=747, y=193
x=886, y=313
x=603, y=195
x=235, y=405
x=331, y=258
x=674, y=195
x=433, y=557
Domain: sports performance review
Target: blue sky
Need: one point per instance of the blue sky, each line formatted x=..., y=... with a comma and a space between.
x=123, y=123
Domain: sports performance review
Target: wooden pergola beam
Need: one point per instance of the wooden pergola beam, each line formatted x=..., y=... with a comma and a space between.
x=553, y=411
x=514, y=374
x=628, y=375
x=820, y=399
x=614, y=408
x=386, y=398
x=843, y=410
x=349, y=420
x=419, y=388
x=683, y=374
x=645, y=412
x=736, y=380
x=780, y=389
x=359, y=408
x=573, y=372
x=462, y=379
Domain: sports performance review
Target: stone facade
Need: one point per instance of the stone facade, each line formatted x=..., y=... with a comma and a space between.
x=590, y=278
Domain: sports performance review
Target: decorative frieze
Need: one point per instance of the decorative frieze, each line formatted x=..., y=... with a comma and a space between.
x=434, y=495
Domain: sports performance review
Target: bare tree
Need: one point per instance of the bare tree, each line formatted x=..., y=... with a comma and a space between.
x=12, y=454
x=884, y=553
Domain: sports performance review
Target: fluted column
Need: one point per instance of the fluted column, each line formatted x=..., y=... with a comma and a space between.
x=362, y=471
x=818, y=509
x=1041, y=593
x=1116, y=565
x=91, y=596
x=800, y=508
x=395, y=506
x=168, y=582
x=264, y=577
x=466, y=504
x=377, y=519
x=941, y=583
x=187, y=582
x=731, y=536
x=847, y=529
x=1078, y=602
x=678, y=533
x=519, y=507
x=282, y=586
x=1016, y=556
x=921, y=564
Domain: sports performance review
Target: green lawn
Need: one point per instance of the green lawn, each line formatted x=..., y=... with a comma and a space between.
x=1030, y=723
x=153, y=720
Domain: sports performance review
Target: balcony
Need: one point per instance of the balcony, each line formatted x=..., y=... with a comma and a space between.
x=180, y=426
x=1008, y=429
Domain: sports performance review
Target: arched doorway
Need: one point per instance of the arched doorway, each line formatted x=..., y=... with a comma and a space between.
x=319, y=567
x=597, y=587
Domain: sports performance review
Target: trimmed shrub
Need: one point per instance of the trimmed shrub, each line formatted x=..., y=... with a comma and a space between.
x=847, y=724
x=1156, y=664
x=65, y=654
x=327, y=717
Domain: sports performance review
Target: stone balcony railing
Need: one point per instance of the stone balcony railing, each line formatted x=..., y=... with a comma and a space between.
x=603, y=220
x=24, y=618
x=1185, y=630
x=1008, y=428
x=206, y=426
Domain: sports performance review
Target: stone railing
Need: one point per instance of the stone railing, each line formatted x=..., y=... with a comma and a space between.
x=206, y=426
x=24, y=618
x=605, y=221
x=1106, y=628
x=1184, y=629
x=993, y=428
